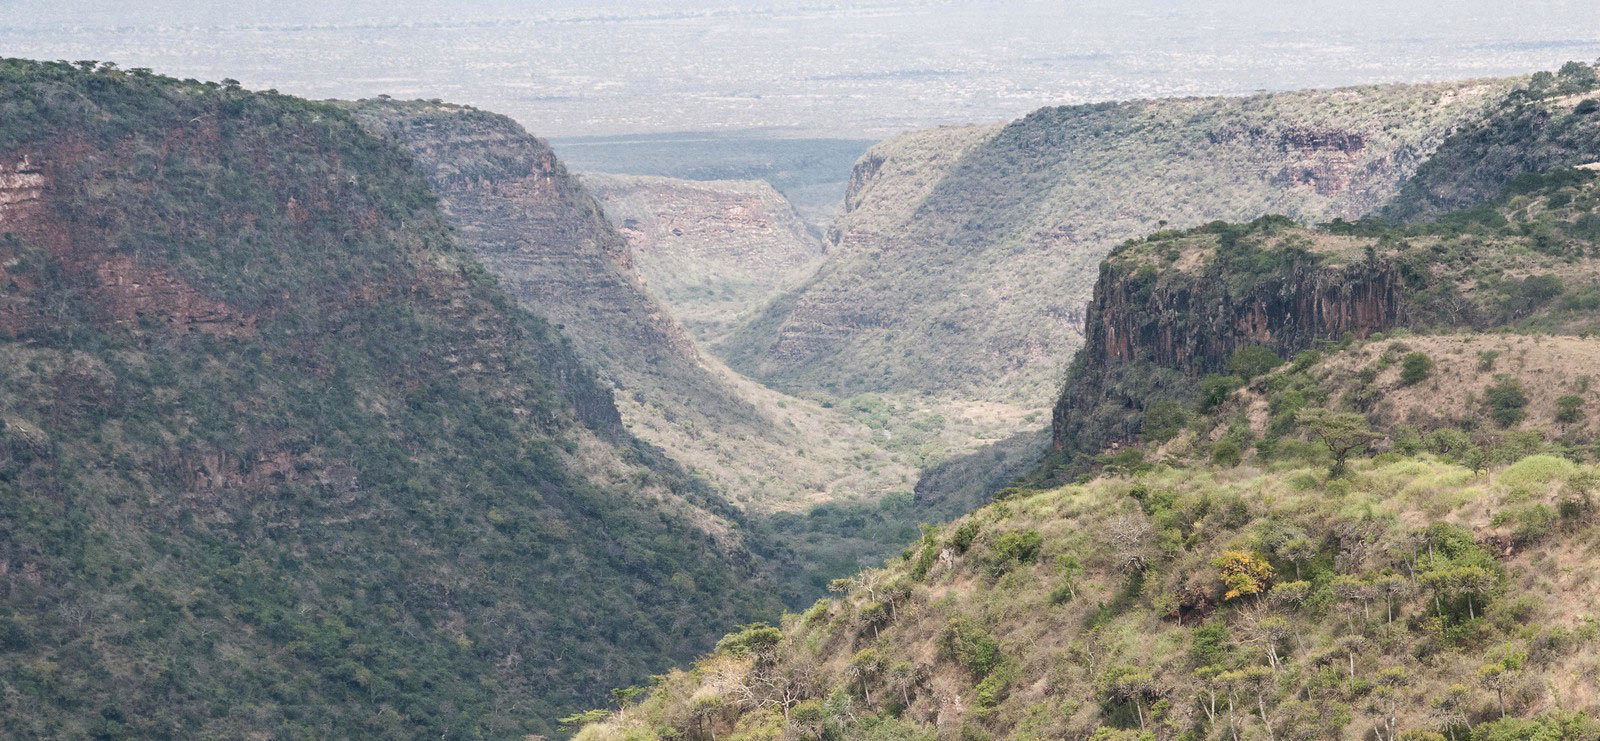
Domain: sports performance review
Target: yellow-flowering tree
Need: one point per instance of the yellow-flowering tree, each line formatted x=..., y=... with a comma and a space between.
x=1243, y=573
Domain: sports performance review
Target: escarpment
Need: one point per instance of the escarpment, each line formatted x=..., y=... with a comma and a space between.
x=1193, y=326
x=1176, y=306
x=1153, y=332
x=963, y=255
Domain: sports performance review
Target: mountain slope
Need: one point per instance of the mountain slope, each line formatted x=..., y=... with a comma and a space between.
x=965, y=254
x=710, y=250
x=1173, y=312
x=547, y=238
x=1388, y=536
x=1544, y=125
x=279, y=459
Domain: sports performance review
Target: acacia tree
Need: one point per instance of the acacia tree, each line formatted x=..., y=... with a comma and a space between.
x=1342, y=432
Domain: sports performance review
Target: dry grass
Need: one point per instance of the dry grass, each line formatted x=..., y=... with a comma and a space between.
x=1548, y=366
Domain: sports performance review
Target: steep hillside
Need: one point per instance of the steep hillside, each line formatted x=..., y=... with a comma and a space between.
x=965, y=256
x=1388, y=536
x=1408, y=599
x=1183, y=318
x=810, y=472
x=279, y=459
x=536, y=227
x=711, y=251
x=1552, y=122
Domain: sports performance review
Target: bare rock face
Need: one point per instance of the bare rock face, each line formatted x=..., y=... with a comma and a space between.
x=964, y=256
x=1153, y=334
x=712, y=251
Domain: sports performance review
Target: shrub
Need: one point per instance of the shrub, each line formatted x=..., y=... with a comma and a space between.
x=1536, y=472
x=1569, y=409
x=962, y=538
x=1215, y=389
x=1016, y=547
x=1414, y=368
x=1486, y=360
x=965, y=641
x=1243, y=573
x=1210, y=644
x=1163, y=420
x=1226, y=453
x=12, y=635
x=1506, y=401
x=1253, y=360
x=1530, y=524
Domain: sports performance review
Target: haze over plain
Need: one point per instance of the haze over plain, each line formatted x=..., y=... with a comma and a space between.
x=793, y=68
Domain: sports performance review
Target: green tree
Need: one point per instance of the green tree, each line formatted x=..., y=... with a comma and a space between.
x=1569, y=409
x=1506, y=400
x=1341, y=432
x=1253, y=360
x=1414, y=368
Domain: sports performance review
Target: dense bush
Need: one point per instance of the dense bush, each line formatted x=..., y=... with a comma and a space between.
x=1414, y=368
x=1506, y=401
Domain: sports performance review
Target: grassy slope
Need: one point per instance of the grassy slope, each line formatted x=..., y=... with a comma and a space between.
x=278, y=458
x=974, y=289
x=1115, y=617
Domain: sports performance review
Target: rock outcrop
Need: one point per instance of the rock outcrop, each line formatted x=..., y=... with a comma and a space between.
x=1154, y=330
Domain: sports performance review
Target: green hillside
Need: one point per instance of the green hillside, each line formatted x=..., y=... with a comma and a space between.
x=1411, y=598
x=965, y=255
x=278, y=459
x=1526, y=264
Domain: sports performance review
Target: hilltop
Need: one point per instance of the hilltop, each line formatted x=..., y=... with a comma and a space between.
x=1180, y=318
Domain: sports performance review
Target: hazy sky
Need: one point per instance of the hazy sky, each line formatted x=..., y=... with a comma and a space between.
x=573, y=67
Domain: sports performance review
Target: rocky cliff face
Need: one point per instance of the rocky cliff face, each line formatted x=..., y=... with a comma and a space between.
x=1194, y=325
x=965, y=255
x=1152, y=333
x=712, y=251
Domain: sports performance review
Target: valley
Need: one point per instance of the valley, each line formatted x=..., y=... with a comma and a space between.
x=1306, y=481
x=1176, y=418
